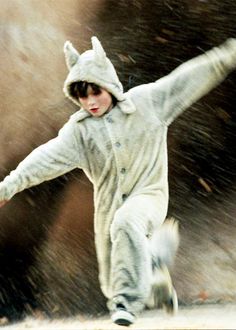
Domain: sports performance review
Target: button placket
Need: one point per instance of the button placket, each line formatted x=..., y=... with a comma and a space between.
x=117, y=145
x=124, y=197
x=109, y=120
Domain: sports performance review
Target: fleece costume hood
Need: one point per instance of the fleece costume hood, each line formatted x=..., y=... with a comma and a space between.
x=92, y=66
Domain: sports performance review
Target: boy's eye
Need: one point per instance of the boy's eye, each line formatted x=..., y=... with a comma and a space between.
x=96, y=92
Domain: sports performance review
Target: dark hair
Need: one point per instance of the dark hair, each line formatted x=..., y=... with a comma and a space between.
x=80, y=89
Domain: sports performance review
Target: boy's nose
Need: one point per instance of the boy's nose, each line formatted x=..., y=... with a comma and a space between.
x=91, y=101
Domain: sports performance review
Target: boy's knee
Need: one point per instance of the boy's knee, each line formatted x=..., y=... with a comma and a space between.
x=121, y=222
x=126, y=222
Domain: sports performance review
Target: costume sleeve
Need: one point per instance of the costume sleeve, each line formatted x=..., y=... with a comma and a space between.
x=171, y=95
x=50, y=160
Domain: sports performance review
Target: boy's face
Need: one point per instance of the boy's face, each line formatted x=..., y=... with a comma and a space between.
x=97, y=104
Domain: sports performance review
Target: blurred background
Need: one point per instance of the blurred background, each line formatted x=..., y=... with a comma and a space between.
x=47, y=256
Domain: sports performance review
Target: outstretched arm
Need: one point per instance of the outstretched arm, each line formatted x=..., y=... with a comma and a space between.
x=50, y=160
x=171, y=95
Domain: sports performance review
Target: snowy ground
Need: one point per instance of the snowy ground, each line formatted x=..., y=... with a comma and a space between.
x=194, y=317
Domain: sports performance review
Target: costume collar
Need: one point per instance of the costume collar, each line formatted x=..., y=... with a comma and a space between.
x=127, y=106
x=80, y=115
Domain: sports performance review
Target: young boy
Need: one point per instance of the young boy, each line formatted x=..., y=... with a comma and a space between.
x=120, y=141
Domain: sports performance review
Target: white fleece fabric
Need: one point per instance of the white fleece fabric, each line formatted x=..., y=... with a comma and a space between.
x=124, y=154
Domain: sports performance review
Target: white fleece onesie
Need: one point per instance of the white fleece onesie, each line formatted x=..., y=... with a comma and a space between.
x=124, y=154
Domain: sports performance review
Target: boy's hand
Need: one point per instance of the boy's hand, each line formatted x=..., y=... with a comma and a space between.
x=2, y=203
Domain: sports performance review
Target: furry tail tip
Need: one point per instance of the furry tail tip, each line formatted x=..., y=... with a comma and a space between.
x=165, y=242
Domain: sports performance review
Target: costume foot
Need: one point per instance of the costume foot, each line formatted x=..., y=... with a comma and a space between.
x=163, y=294
x=122, y=317
x=171, y=304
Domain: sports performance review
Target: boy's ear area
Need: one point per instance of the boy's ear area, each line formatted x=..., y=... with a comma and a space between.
x=100, y=55
x=71, y=54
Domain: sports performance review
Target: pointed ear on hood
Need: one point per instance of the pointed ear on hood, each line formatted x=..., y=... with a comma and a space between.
x=100, y=55
x=71, y=54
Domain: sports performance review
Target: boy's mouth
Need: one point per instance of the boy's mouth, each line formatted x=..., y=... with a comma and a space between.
x=94, y=110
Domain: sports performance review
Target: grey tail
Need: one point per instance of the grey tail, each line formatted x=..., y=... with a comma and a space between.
x=165, y=243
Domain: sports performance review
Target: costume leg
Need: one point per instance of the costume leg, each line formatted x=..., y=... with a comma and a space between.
x=164, y=244
x=131, y=258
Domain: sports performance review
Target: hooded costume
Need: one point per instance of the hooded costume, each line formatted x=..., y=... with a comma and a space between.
x=124, y=155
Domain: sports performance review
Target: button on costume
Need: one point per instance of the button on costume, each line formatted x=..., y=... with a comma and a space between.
x=124, y=155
